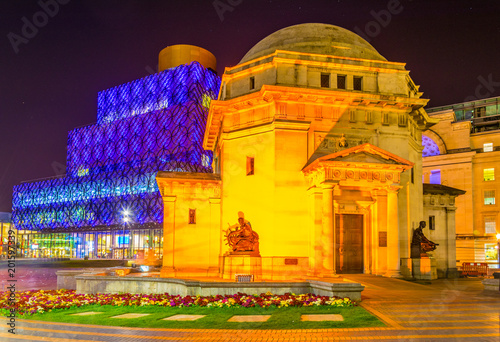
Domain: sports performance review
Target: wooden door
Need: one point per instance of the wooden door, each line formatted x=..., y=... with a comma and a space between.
x=349, y=243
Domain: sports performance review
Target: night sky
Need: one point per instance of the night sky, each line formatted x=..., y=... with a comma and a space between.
x=52, y=66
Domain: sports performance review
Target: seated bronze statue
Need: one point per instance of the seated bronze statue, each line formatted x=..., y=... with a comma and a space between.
x=419, y=240
x=243, y=239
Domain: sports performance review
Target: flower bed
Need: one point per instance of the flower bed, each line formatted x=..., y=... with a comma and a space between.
x=31, y=302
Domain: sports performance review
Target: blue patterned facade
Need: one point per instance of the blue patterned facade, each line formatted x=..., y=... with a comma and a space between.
x=152, y=124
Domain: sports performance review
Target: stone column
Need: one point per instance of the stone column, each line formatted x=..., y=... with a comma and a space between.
x=168, y=269
x=215, y=237
x=374, y=233
x=328, y=231
x=393, y=257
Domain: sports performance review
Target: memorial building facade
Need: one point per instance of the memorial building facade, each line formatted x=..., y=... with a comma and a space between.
x=317, y=148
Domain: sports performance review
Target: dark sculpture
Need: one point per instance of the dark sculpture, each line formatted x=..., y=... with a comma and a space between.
x=420, y=244
x=343, y=141
x=243, y=238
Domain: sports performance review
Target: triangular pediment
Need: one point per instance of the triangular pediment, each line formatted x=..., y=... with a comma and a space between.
x=363, y=157
x=363, y=154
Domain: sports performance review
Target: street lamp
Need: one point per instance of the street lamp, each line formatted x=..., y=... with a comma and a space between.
x=498, y=250
x=126, y=219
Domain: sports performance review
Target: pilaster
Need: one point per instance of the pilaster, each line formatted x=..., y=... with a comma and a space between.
x=168, y=269
x=393, y=253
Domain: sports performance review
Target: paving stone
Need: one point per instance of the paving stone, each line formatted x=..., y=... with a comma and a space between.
x=88, y=313
x=249, y=318
x=131, y=315
x=183, y=317
x=317, y=318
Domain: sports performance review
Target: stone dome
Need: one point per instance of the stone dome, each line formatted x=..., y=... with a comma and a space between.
x=315, y=38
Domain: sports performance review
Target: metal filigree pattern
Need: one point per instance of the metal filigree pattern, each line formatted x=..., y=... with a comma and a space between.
x=145, y=126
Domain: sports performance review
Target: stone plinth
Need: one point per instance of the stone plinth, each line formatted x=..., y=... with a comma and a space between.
x=424, y=268
x=407, y=268
x=236, y=263
x=66, y=279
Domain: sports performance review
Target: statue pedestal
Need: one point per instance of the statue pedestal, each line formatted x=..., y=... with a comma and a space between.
x=424, y=268
x=242, y=263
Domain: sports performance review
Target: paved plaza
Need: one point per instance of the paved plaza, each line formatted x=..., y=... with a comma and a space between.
x=452, y=310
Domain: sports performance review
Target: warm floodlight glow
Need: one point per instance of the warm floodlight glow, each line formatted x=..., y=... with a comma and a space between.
x=498, y=236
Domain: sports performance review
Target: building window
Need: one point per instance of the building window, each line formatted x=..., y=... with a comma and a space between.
x=432, y=222
x=402, y=120
x=369, y=117
x=490, y=251
x=252, y=82
x=205, y=160
x=489, y=174
x=490, y=225
x=435, y=177
x=341, y=81
x=489, y=197
x=385, y=119
x=325, y=80
x=412, y=176
x=430, y=147
x=479, y=112
x=250, y=166
x=357, y=82
x=192, y=216
x=488, y=147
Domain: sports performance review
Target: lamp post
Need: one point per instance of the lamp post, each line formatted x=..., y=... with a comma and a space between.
x=126, y=218
x=498, y=250
x=496, y=275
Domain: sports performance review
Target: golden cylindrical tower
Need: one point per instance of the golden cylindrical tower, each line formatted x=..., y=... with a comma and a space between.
x=176, y=55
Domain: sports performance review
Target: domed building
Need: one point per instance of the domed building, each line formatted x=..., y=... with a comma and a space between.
x=316, y=139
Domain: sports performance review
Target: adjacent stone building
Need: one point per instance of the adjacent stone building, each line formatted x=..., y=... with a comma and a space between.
x=462, y=151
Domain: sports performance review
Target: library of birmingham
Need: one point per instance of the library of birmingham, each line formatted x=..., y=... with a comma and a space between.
x=308, y=157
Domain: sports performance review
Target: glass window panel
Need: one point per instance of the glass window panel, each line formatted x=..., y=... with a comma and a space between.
x=341, y=84
x=357, y=83
x=489, y=197
x=488, y=147
x=490, y=251
x=490, y=225
x=489, y=174
x=491, y=110
x=435, y=177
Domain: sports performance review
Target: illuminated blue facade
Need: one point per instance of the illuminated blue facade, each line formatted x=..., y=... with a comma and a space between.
x=152, y=124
